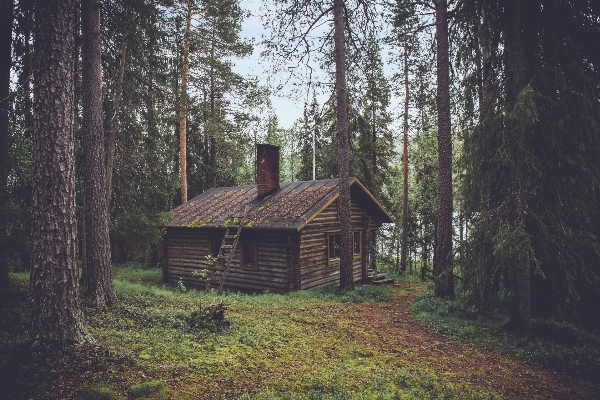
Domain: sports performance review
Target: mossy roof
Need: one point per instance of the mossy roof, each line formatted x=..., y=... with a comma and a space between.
x=290, y=207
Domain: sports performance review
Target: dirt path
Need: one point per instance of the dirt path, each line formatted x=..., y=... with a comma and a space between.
x=393, y=328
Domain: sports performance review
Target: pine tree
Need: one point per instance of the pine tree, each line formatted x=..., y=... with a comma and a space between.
x=443, y=273
x=56, y=315
x=96, y=282
x=405, y=164
x=215, y=41
x=111, y=137
x=346, y=276
x=183, y=103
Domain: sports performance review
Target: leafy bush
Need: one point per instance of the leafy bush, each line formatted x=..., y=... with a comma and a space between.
x=146, y=389
x=211, y=318
x=139, y=308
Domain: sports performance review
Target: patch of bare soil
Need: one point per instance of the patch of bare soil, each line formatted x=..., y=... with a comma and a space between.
x=395, y=330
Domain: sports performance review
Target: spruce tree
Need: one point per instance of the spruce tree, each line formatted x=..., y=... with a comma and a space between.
x=6, y=23
x=530, y=203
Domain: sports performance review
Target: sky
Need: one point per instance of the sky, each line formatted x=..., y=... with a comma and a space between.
x=287, y=109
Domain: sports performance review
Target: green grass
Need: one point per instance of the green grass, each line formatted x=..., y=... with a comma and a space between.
x=147, y=389
x=391, y=270
x=557, y=345
x=100, y=391
x=405, y=384
x=156, y=343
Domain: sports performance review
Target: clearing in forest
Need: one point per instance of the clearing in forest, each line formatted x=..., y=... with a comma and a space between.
x=303, y=345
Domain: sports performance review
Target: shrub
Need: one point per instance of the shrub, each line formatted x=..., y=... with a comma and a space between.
x=148, y=389
x=100, y=391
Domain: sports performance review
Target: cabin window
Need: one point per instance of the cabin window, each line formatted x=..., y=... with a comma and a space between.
x=333, y=246
x=356, y=244
x=215, y=244
x=249, y=254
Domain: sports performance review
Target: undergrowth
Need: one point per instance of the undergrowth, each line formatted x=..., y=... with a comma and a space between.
x=160, y=343
x=402, y=384
x=557, y=345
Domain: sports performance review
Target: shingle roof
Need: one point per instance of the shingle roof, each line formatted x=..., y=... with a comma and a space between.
x=289, y=207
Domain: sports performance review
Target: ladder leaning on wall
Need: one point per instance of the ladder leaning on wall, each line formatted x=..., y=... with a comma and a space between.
x=229, y=243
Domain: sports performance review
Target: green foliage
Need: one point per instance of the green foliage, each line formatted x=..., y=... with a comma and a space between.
x=557, y=345
x=180, y=287
x=210, y=260
x=403, y=384
x=211, y=318
x=146, y=389
x=100, y=391
x=135, y=272
x=197, y=223
x=250, y=224
x=530, y=187
x=158, y=335
x=360, y=294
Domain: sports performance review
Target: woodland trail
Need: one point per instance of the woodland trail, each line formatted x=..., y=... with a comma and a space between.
x=395, y=330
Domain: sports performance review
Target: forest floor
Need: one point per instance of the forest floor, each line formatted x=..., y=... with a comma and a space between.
x=305, y=345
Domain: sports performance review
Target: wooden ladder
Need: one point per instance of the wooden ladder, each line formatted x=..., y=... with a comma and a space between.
x=229, y=244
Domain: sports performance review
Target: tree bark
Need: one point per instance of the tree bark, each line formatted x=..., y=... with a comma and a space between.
x=6, y=21
x=346, y=278
x=183, y=106
x=56, y=316
x=213, y=119
x=520, y=273
x=405, y=166
x=97, y=283
x=114, y=120
x=443, y=274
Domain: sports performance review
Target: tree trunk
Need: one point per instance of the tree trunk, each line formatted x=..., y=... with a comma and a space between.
x=183, y=106
x=443, y=275
x=97, y=283
x=486, y=78
x=514, y=49
x=114, y=119
x=78, y=133
x=6, y=21
x=56, y=316
x=405, y=165
x=213, y=124
x=346, y=278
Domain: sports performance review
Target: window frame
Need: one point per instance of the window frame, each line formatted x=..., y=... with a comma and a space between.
x=243, y=249
x=214, y=243
x=356, y=255
x=332, y=260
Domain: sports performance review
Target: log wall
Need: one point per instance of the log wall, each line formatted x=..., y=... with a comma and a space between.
x=283, y=264
x=315, y=269
x=188, y=247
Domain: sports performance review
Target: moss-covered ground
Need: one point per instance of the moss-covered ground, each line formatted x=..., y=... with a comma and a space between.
x=304, y=345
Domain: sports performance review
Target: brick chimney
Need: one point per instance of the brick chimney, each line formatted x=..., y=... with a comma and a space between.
x=267, y=169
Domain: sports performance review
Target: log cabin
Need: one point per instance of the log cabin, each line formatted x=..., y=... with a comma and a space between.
x=290, y=238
